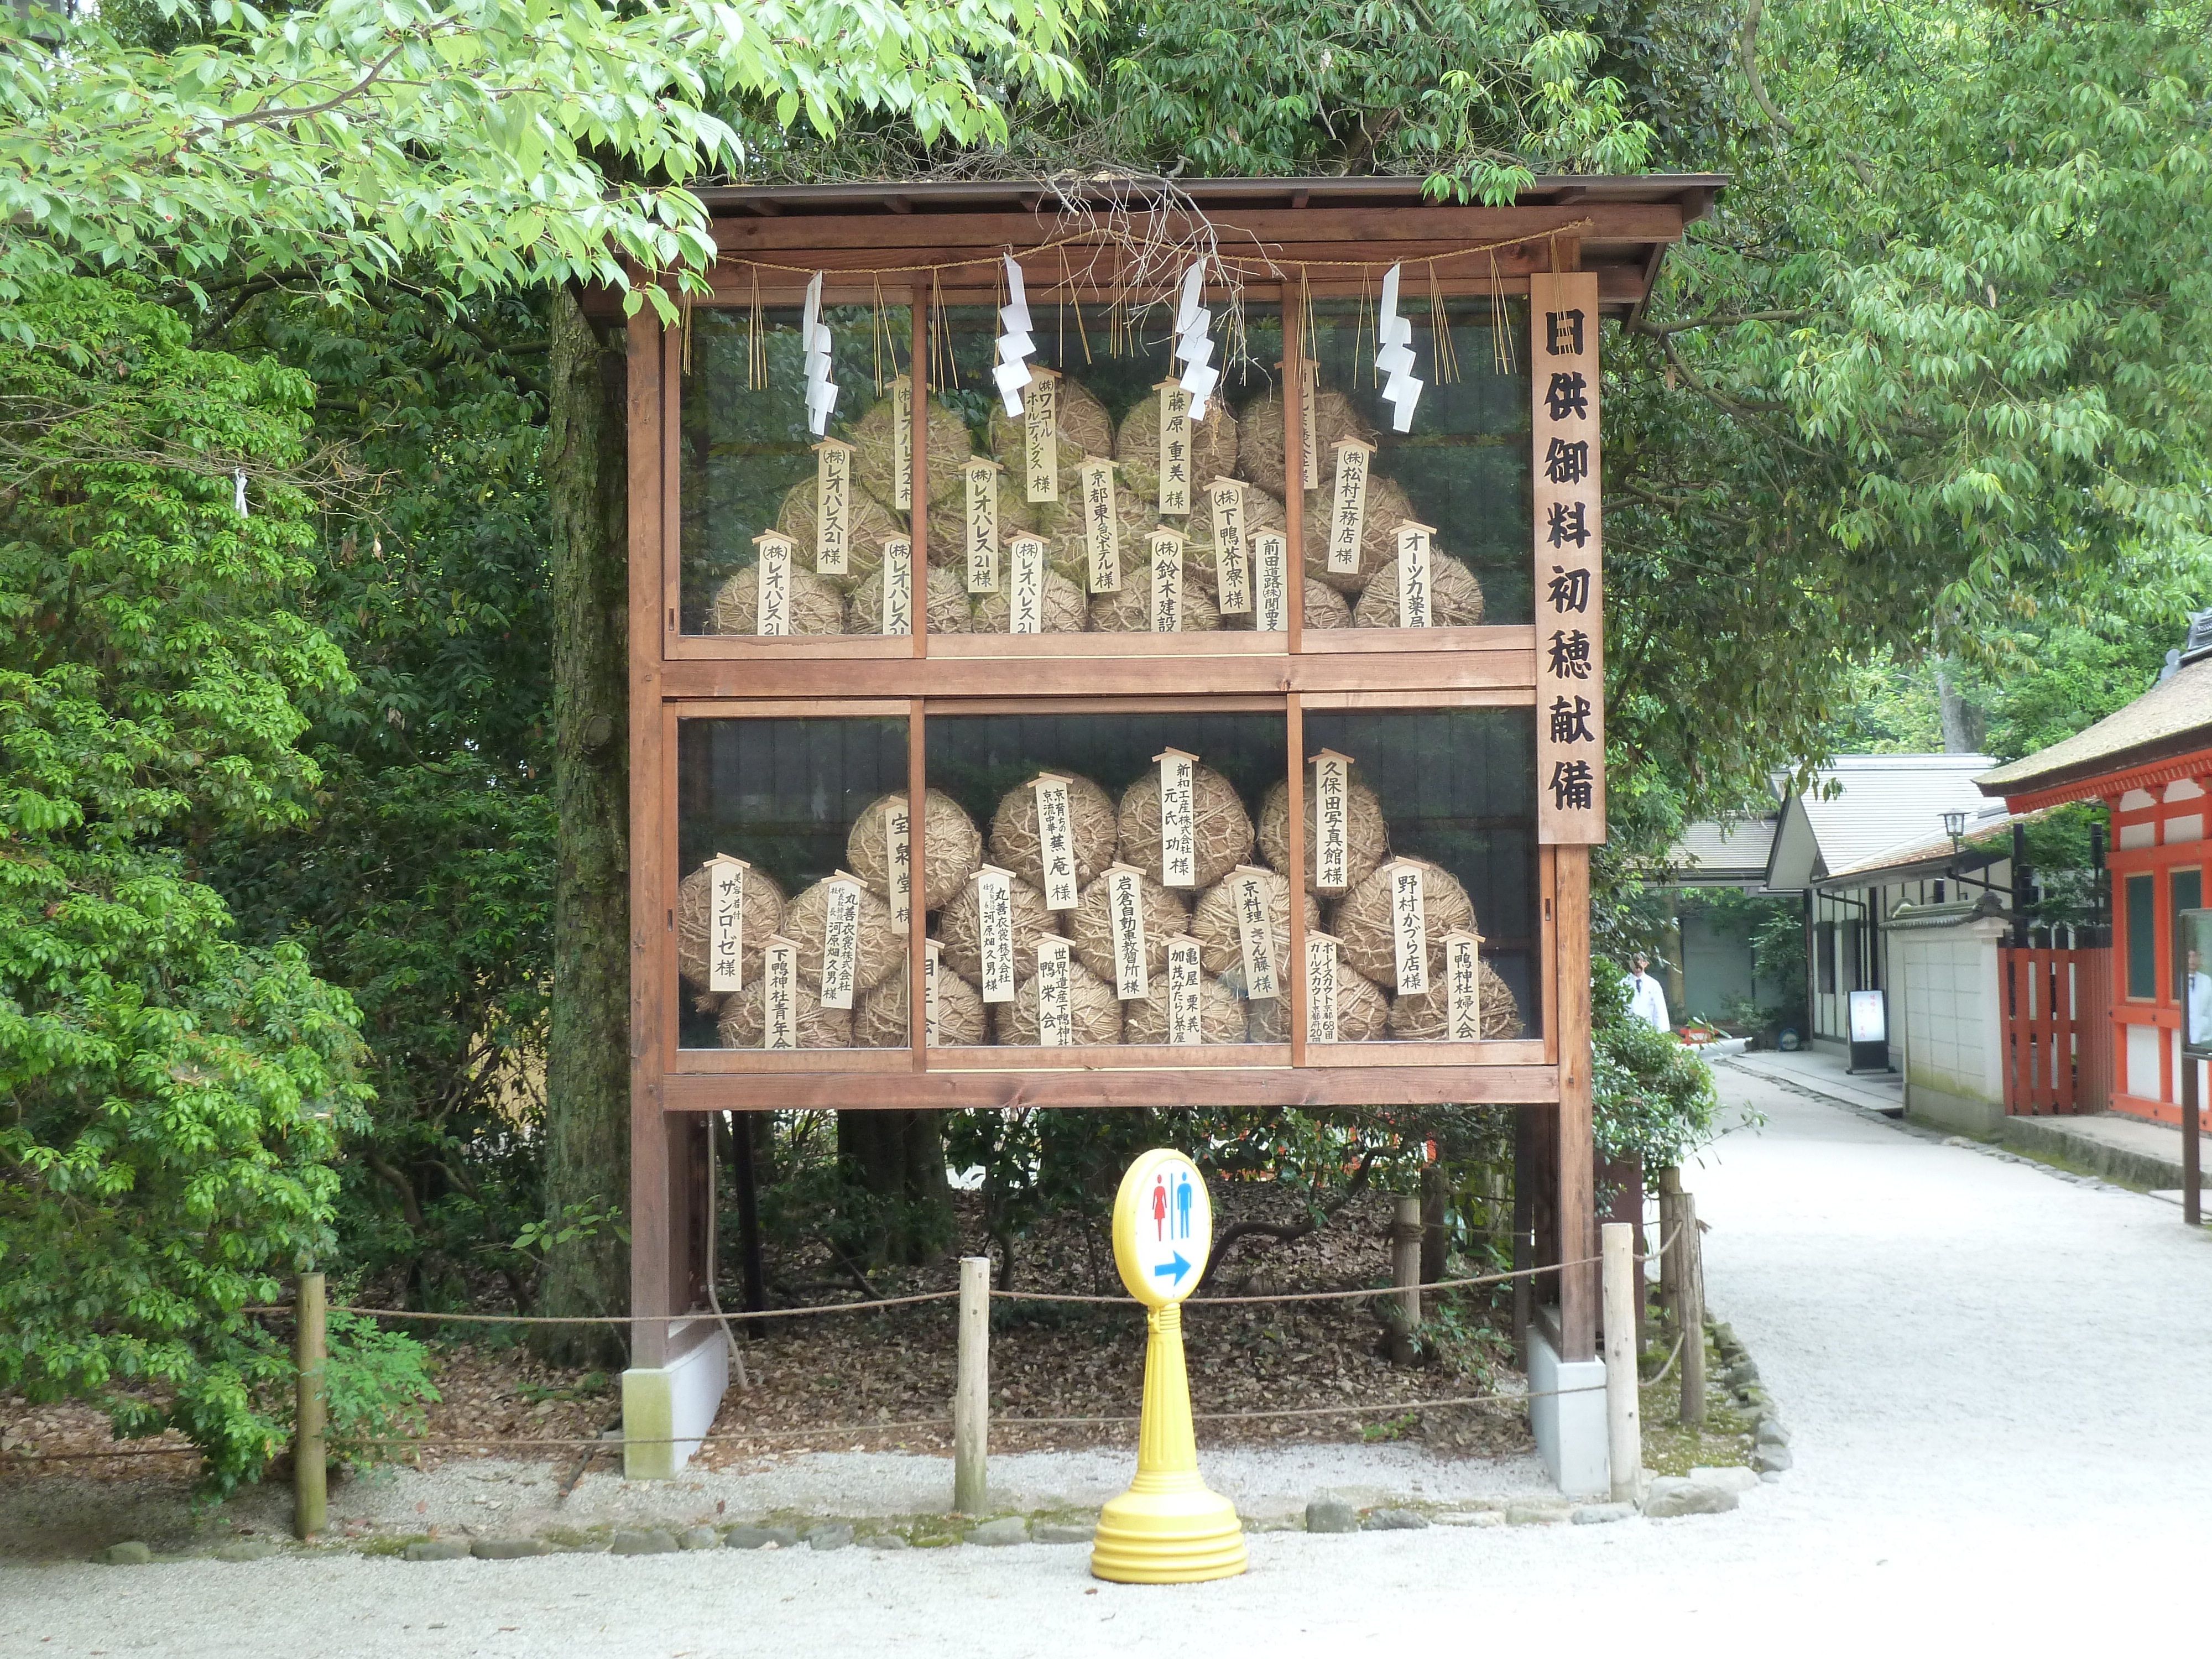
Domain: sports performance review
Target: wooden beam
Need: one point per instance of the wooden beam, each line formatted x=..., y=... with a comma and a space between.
x=1577, y=1201
x=1436, y=1085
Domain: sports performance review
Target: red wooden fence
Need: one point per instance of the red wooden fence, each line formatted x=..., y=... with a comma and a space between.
x=2058, y=1029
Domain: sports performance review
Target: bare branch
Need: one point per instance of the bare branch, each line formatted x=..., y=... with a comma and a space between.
x=1747, y=46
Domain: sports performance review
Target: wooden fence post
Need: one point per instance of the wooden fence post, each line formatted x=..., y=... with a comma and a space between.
x=1623, y=1428
x=1689, y=1300
x=971, y=1392
x=310, y=1488
x=1405, y=1274
x=1670, y=1254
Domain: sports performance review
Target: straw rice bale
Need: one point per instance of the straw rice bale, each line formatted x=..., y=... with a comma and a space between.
x=1130, y=610
x=880, y=949
x=1137, y=447
x=880, y=1021
x=1455, y=597
x=946, y=599
x=740, y=1025
x=1090, y=926
x=1213, y=925
x=1085, y=430
x=1094, y=1011
x=816, y=606
x=951, y=846
x=1220, y=1014
x=948, y=528
x=1222, y=828
x=1387, y=508
x=867, y=523
x=1068, y=547
x=958, y=929
x=949, y=446
x=763, y=915
x=1363, y=922
x=1259, y=425
x=1366, y=838
x=1422, y=1016
x=1324, y=608
x=1091, y=829
x=1063, y=612
x=1363, y=1013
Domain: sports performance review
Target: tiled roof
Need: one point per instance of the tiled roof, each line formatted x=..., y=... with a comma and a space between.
x=2170, y=718
x=1883, y=802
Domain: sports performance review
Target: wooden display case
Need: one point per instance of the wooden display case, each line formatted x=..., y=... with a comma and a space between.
x=1451, y=652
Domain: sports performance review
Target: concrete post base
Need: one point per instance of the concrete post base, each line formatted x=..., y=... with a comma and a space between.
x=1570, y=1427
x=666, y=1409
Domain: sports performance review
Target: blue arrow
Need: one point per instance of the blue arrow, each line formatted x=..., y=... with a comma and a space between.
x=1173, y=1270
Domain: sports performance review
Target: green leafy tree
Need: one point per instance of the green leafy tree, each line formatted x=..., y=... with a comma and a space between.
x=173, y=1098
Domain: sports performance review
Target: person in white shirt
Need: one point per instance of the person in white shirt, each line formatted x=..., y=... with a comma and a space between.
x=1646, y=1001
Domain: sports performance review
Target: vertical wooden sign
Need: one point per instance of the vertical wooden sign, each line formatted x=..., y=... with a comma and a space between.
x=932, y=965
x=1416, y=594
x=1233, y=578
x=779, y=992
x=1056, y=840
x=841, y=940
x=832, y=508
x=898, y=584
x=995, y=931
x=1347, y=506
x=1409, y=924
x=1320, y=988
x=1271, y=581
x=1025, y=598
x=726, y=923
x=902, y=443
x=1041, y=434
x=1174, y=450
x=1178, y=818
x=1569, y=561
x=898, y=861
x=1186, y=992
x=1101, y=535
x=1331, y=812
x=979, y=483
x=1462, y=987
x=1054, y=995
x=1248, y=889
x=772, y=570
x=1166, y=578
x=1125, y=914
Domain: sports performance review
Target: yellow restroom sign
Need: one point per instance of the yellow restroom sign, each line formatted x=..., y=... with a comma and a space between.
x=1167, y=1529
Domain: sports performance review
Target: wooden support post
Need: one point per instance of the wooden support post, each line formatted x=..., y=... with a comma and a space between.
x=1405, y=1274
x=1577, y=1152
x=1690, y=1292
x=971, y=1389
x=1624, y=1422
x=2192, y=1165
x=1670, y=1255
x=310, y=1455
x=1436, y=1231
x=1523, y=1223
x=748, y=1228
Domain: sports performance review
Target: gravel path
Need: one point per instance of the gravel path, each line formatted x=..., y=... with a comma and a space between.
x=1995, y=1384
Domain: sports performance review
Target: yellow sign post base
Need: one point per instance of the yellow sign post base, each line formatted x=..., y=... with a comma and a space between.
x=1167, y=1529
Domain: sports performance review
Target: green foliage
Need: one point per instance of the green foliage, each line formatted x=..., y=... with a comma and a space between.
x=375, y=1384
x=1652, y=1098
x=498, y=145
x=172, y=1098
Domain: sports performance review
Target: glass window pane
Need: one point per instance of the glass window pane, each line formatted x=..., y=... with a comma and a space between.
x=1462, y=471
x=805, y=920
x=750, y=466
x=1421, y=848
x=1098, y=508
x=1107, y=911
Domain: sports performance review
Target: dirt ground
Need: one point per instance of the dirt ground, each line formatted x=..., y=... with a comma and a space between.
x=883, y=1380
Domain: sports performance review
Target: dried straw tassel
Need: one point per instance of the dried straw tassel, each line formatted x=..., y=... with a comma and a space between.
x=1446, y=368
x=1501, y=324
x=756, y=342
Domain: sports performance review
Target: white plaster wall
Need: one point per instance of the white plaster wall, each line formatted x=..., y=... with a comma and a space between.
x=1954, y=1038
x=2142, y=1080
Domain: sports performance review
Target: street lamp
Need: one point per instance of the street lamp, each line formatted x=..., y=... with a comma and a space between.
x=1954, y=825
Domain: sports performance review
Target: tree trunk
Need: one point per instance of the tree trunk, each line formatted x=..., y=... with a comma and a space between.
x=1964, y=726
x=587, y=1052
x=896, y=1163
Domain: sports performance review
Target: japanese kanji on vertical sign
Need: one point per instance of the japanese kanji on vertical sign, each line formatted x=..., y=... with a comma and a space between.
x=1248, y=890
x=1271, y=598
x=898, y=862
x=779, y=992
x=1026, y=608
x=902, y=443
x=1055, y=998
x=1041, y=435
x=1232, y=577
x=898, y=584
x=931, y=954
x=981, y=486
x=1055, y=841
x=773, y=571
x=1320, y=988
x=994, y=932
x=1125, y=909
x=1186, y=991
x=1166, y=548
x=841, y=940
x=1569, y=561
x=725, y=939
x=833, y=507
x=1174, y=450
x=1101, y=538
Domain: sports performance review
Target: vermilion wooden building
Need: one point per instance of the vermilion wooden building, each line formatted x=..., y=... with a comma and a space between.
x=1224, y=575
x=2150, y=764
